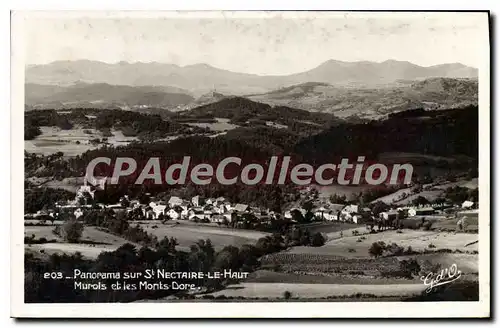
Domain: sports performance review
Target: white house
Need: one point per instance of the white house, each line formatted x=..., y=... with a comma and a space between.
x=330, y=216
x=158, y=209
x=467, y=204
x=174, y=200
x=241, y=208
x=351, y=209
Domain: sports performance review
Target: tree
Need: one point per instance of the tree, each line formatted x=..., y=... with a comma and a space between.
x=317, y=240
x=336, y=199
x=227, y=258
x=287, y=295
x=125, y=202
x=377, y=249
x=85, y=198
x=308, y=206
x=379, y=207
x=72, y=231
x=420, y=200
x=409, y=267
x=297, y=216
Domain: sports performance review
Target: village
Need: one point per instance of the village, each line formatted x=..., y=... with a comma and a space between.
x=222, y=212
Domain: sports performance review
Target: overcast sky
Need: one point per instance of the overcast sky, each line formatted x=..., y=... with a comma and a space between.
x=274, y=43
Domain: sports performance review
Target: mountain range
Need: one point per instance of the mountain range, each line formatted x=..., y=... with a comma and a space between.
x=103, y=95
x=199, y=79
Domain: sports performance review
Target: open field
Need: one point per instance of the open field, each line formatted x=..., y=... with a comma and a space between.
x=450, y=224
x=69, y=184
x=91, y=235
x=430, y=195
x=94, y=240
x=187, y=234
x=308, y=291
x=471, y=184
x=92, y=243
x=53, y=140
x=221, y=125
x=89, y=251
x=394, y=197
x=330, y=228
x=419, y=240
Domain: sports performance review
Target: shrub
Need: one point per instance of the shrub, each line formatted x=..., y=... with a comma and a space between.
x=359, y=240
x=431, y=246
x=377, y=249
x=318, y=240
x=410, y=251
x=427, y=225
x=351, y=250
x=287, y=295
x=355, y=232
x=428, y=266
x=71, y=231
x=394, y=250
x=411, y=267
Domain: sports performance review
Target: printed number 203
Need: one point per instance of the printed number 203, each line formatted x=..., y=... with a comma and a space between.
x=53, y=275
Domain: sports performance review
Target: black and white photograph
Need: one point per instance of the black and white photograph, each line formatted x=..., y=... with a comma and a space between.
x=251, y=159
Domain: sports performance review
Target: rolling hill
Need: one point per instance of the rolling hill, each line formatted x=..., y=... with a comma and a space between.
x=103, y=95
x=374, y=103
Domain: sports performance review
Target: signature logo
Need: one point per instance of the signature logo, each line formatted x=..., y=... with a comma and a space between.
x=443, y=277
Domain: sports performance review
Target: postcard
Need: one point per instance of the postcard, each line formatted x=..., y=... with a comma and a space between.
x=276, y=164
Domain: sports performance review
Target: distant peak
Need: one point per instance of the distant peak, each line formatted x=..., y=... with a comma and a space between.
x=396, y=62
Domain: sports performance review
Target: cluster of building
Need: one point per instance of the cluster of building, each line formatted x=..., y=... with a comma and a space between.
x=220, y=210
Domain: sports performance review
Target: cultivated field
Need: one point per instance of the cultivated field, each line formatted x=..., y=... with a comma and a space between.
x=331, y=228
x=188, y=234
x=53, y=140
x=419, y=240
x=399, y=197
x=450, y=224
x=267, y=276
